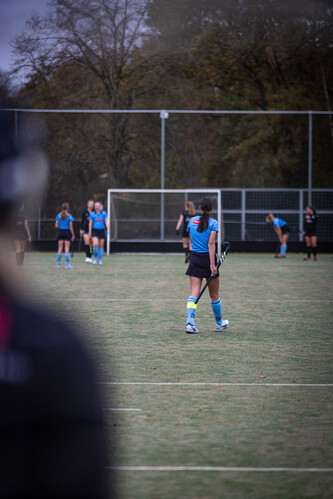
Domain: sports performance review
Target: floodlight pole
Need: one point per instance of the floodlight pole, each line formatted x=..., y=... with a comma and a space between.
x=163, y=115
x=310, y=161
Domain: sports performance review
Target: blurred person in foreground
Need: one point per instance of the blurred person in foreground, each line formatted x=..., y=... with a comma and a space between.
x=21, y=234
x=52, y=437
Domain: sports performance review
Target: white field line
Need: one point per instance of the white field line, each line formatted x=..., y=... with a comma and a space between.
x=167, y=383
x=121, y=409
x=277, y=300
x=220, y=468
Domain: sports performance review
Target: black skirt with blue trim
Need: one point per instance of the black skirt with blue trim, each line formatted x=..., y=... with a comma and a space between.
x=200, y=265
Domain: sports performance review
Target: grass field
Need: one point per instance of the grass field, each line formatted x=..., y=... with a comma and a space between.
x=252, y=397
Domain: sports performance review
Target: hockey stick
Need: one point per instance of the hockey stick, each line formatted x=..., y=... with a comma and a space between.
x=225, y=249
x=296, y=229
x=72, y=246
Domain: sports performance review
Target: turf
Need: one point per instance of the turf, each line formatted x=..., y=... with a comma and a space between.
x=133, y=312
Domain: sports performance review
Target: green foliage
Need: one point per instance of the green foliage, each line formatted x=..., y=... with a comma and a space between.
x=181, y=54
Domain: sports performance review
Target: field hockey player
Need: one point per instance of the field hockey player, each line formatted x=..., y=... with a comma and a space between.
x=98, y=222
x=282, y=230
x=310, y=232
x=64, y=224
x=183, y=220
x=202, y=231
x=84, y=231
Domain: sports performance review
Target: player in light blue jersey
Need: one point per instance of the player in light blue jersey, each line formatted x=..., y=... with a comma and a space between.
x=64, y=224
x=202, y=230
x=98, y=222
x=283, y=231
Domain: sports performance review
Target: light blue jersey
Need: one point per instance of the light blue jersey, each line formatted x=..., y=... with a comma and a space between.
x=98, y=219
x=200, y=240
x=64, y=224
x=278, y=222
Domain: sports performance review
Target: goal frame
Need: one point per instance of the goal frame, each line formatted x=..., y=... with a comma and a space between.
x=217, y=192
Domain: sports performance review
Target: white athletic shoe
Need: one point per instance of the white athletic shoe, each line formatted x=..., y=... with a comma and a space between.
x=88, y=260
x=94, y=261
x=224, y=325
x=58, y=266
x=191, y=329
x=68, y=266
x=100, y=262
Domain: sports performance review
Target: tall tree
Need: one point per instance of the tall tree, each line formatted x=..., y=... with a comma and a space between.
x=85, y=53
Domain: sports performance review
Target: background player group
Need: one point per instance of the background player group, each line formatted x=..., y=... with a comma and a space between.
x=282, y=230
x=93, y=227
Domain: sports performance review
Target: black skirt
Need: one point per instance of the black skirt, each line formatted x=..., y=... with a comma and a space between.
x=20, y=235
x=285, y=229
x=185, y=233
x=310, y=230
x=64, y=235
x=200, y=265
x=99, y=233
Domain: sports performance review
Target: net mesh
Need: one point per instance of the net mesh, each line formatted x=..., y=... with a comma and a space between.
x=151, y=216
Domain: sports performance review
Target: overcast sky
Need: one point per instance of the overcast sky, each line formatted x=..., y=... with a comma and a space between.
x=13, y=15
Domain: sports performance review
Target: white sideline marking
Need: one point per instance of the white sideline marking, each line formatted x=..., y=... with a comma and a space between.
x=167, y=383
x=121, y=409
x=219, y=468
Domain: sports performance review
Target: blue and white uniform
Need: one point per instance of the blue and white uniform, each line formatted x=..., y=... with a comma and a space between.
x=64, y=232
x=200, y=240
x=278, y=222
x=98, y=231
x=200, y=265
x=98, y=224
x=285, y=229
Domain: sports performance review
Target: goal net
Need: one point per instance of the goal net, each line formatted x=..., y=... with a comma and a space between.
x=148, y=215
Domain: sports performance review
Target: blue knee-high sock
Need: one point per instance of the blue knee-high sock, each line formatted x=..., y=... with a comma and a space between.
x=101, y=253
x=95, y=252
x=283, y=249
x=191, y=310
x=67, y=258
x=217, y=310
x=59, y=255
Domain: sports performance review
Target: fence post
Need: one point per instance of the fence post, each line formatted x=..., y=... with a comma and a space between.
x=163, y=115
x=300, y=223
x=243, y=219
x=310, y=161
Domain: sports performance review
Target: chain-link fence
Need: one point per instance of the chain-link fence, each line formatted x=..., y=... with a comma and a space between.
x=243, y=216
x=244, y=212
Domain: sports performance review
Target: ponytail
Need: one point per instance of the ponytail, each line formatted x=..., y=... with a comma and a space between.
x=64, y=215
x=206, y=207
x=314, y=210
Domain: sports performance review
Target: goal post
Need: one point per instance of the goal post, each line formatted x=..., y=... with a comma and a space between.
x=152, y=214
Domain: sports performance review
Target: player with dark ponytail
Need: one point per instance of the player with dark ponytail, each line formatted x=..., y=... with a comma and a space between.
x=310, y=232
x=202, y=230
x=64, y=224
